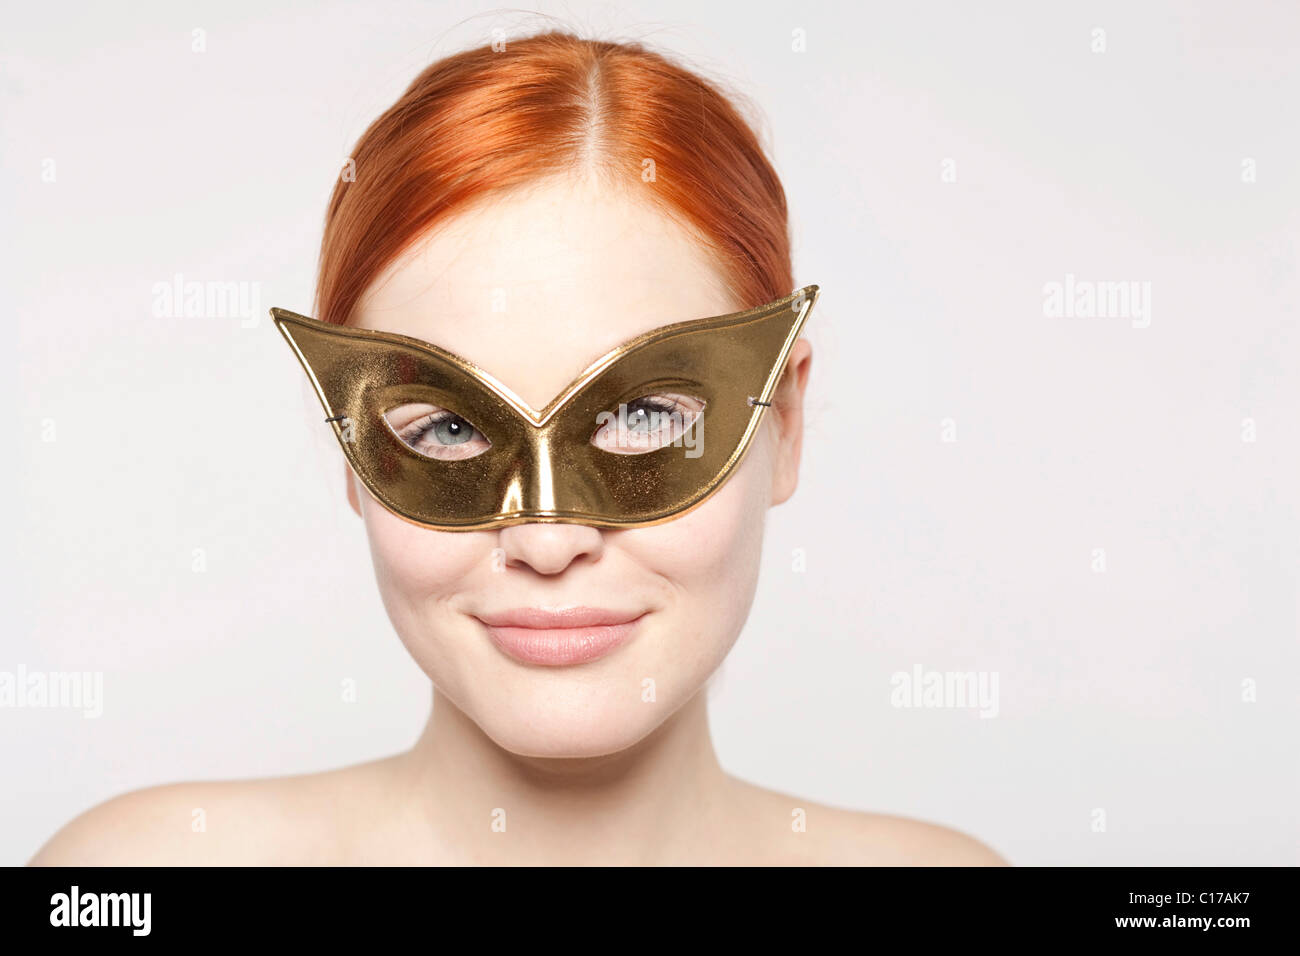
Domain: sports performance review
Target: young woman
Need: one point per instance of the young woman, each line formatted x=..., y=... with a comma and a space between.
x=557, y=335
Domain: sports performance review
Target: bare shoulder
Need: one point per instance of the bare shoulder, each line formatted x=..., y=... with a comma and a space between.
x=816, y=834
x=278, y=820
x=903, y=841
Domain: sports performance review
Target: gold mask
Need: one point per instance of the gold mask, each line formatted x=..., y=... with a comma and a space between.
x=544, y=466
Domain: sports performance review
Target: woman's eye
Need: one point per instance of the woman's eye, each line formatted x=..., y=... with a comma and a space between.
x=651, y=422
x=436, y=432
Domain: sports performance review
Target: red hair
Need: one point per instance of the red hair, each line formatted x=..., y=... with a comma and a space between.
x=483, y=121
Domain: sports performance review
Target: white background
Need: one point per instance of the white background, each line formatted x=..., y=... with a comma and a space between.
x=1120, y=691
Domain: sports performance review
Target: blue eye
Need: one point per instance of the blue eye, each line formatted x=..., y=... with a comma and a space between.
x=436, y=432
x=647, y=414
x=451, y=430
x=649, y=423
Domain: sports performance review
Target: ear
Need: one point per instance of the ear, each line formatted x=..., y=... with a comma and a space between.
x=350, y=480
x=787, y=420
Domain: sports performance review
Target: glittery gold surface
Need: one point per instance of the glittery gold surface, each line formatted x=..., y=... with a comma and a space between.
x=542, y=465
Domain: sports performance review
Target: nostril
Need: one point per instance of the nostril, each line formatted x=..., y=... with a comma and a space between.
x=550, y=547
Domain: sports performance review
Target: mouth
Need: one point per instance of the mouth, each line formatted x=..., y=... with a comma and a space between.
x=560, y=637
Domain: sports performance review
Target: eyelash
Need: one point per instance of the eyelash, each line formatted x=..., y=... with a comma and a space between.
x=653, y=403
x=667, y=419
x=416, y=431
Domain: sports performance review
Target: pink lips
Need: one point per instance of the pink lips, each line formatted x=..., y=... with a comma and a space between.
x=555, y=638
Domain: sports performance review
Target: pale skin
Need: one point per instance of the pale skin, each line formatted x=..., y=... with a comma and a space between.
x=575, y=763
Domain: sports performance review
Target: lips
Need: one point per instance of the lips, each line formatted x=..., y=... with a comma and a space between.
x=558, y=637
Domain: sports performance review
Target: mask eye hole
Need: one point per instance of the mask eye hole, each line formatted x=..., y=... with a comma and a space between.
x=436, y=432
x=648, y=423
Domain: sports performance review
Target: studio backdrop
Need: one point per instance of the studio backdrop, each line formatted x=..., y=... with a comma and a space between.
x=1039, y=579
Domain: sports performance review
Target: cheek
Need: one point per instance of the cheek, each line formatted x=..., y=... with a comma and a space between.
x=416, y=560
x=710, y=556
x=419, y=571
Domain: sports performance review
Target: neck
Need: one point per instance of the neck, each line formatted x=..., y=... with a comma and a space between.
x=655, y=802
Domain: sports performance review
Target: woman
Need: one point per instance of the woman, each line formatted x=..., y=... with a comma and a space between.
x=519, y=231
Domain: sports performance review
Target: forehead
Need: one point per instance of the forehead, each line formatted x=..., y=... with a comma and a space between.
x=533, y=285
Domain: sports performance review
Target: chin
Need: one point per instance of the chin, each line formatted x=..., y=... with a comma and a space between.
x=569, y=717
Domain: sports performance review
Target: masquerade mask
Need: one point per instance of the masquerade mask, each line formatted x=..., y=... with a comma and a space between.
x=646, y=433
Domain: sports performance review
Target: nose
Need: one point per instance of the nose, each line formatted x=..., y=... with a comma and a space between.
x=550, y=548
